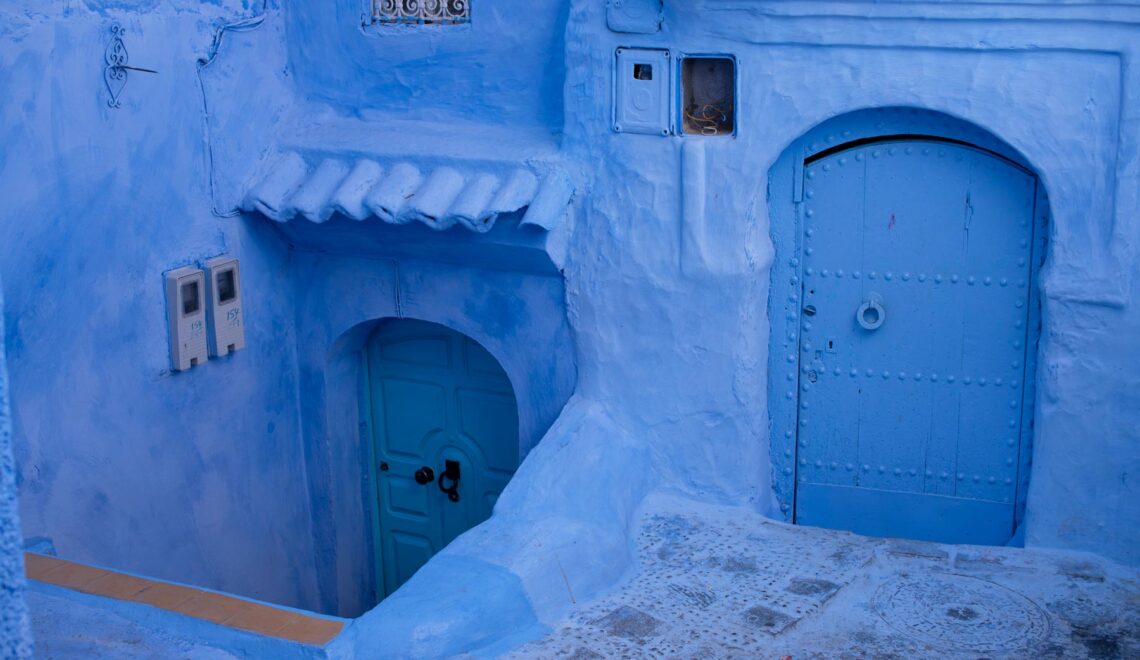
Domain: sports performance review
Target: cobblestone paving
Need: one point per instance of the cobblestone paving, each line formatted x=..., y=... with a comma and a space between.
x=720, y=582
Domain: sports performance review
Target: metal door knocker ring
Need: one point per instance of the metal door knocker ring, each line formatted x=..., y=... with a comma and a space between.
x=871, y=313
x=450, y=473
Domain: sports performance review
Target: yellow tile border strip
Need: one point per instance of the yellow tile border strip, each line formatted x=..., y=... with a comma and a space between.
x=207, y=605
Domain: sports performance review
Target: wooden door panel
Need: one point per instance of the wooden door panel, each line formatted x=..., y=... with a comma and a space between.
x=918, y=416
x=437, y=396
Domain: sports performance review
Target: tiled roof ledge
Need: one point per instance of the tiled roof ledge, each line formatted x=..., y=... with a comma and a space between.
x=437, y=194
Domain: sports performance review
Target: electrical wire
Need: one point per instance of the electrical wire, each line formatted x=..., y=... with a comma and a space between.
x=710, y=117
x=244, y=25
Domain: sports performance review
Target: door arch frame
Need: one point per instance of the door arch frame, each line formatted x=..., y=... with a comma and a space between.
x=785, y=193
x=520, y=318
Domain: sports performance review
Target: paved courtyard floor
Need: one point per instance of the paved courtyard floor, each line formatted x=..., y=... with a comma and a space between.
x=724, y=582
x=720, y=582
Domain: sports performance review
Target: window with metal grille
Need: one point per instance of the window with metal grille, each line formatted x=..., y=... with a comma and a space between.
x=421, y=12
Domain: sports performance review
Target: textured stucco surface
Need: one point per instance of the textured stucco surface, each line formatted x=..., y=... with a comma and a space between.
x=245, y=474
x=15, y=634
x=197, y=476
x=668, y=305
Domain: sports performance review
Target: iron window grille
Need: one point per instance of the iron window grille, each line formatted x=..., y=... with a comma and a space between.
x=421, y=12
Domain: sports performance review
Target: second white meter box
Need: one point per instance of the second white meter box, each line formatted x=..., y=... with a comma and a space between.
x=227, y=325
x=186, y=316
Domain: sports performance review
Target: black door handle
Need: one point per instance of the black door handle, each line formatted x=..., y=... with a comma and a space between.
x=450, y=473
x=425, y=475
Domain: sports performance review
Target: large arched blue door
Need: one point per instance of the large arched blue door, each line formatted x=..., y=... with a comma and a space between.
x=915, y=288
x=445, y=437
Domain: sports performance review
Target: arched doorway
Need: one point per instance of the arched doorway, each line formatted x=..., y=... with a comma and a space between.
x=445, y=440
x=904, y=336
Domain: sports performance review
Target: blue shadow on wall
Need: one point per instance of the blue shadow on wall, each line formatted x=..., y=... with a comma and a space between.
x=507, y=246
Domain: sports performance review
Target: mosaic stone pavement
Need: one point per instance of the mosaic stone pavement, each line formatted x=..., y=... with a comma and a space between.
x=720, y=582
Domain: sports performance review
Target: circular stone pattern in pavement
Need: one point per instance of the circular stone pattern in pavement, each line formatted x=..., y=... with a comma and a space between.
x=961, y=613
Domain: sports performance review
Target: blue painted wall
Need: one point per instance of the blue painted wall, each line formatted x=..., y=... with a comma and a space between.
x=15, y=632
x=658, y=323
x=194, y=476
x=221, y=476
x=668, y=262
x=696, y=249
x=505, y=68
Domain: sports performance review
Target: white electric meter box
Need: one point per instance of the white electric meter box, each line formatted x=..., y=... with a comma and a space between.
x=642, y=99
x=186, y=316
x=224, y=313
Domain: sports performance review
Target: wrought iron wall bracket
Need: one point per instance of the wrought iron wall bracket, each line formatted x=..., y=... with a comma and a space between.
x=116, y=67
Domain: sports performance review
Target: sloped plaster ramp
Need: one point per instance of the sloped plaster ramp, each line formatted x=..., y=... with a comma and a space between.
x=725, y=582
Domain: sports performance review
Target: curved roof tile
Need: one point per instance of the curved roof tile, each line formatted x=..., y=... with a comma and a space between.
x=401, y=192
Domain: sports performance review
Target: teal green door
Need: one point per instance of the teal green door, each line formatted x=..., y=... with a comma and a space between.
x=445, y=437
